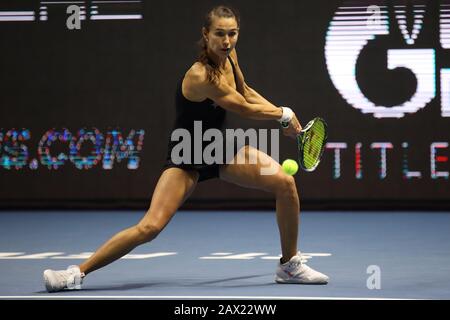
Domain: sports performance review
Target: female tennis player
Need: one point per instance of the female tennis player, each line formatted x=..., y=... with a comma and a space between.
x=212, y=86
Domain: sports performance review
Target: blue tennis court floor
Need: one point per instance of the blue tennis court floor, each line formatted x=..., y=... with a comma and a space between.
x=231, y=255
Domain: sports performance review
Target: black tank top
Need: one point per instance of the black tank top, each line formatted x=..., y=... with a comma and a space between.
x=210, y=114
x=206, y=111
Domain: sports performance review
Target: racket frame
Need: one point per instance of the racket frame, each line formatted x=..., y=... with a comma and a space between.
x=300, y=143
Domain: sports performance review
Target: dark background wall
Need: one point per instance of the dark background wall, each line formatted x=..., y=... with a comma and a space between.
x=120, y=75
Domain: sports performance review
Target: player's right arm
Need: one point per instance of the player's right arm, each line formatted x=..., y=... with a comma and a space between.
x=227, y=97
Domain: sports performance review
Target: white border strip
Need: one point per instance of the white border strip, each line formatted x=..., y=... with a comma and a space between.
x=53, y=297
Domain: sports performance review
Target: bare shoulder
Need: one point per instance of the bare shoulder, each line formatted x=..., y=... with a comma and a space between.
x=194, y=82
x=196, y=75
x=197, y=78
x=197, y=87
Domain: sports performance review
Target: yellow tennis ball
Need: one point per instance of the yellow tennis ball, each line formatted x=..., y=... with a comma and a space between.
x=290, y=167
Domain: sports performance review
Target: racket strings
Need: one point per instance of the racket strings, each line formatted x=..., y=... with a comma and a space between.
x=313, y=145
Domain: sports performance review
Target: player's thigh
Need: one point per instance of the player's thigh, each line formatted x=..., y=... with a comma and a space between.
x=173, y=188
x=253, y=168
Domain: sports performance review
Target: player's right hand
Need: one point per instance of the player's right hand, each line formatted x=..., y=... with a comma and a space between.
x=294, y=128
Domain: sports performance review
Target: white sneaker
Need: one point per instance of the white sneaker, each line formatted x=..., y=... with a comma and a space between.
x=294, y=271
x=70, y=279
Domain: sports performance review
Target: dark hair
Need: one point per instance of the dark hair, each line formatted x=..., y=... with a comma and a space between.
x=213, y=72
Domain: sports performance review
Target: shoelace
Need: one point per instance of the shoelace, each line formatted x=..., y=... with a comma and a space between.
x=294, y=265
x=71, y=282
x=69, y=278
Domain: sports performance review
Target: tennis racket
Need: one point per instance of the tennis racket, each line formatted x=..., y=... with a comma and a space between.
x=311, y=143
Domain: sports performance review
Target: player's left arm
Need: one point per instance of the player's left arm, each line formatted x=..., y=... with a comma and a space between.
x=251, y=96
x=247, y=92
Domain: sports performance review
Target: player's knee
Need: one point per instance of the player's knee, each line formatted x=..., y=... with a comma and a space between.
x=147, y=232
x=286, y=185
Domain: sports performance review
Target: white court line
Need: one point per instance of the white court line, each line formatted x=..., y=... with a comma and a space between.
x=195, y=297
